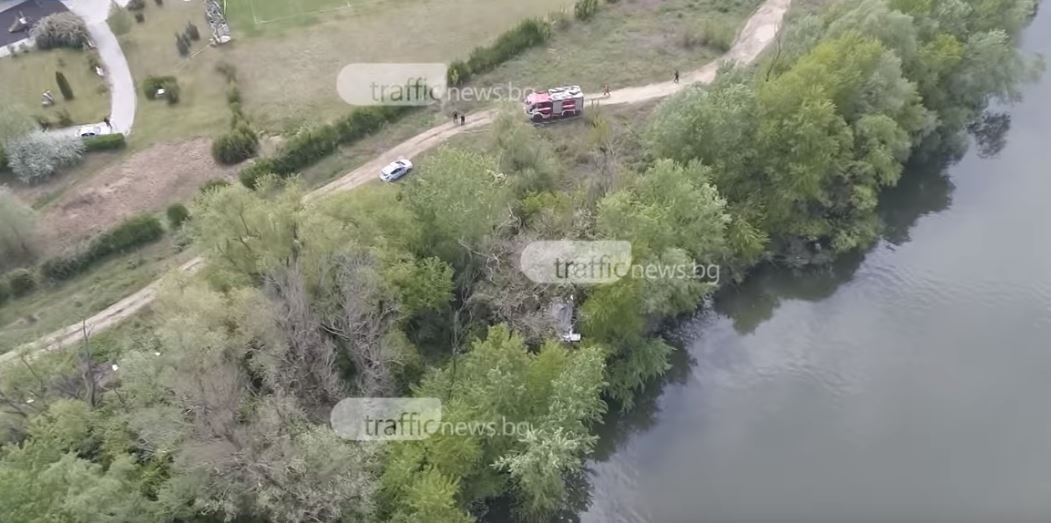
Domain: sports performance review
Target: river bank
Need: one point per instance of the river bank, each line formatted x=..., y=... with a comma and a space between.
x=905, y=384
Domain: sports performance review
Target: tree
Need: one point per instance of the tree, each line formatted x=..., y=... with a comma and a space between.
x=63, y=85
x=37, y=156
x=463, y=200
x=18, y=233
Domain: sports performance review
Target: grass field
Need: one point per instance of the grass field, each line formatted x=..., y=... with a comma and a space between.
x=629, y=43
x=24, y=77
x=55, y=306
x=150, y=49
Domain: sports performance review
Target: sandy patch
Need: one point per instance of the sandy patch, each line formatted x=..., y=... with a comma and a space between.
x=147, y=181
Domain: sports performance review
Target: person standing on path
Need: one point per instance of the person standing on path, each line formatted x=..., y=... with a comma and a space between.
x=463, y=119
x=456, y=116
x=676, y=76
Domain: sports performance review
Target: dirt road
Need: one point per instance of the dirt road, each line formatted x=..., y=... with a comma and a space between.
x=758, y=32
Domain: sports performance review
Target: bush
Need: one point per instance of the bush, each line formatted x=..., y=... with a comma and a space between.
x=233, y=96
x=309, y=146
x=3, y=160
x=136, y=5
x=21, y=282
x=177, y=215
x=133, y=233
x=63, y=85
x=64, y=119
x=169, y=83
x=5, y=292
x=528, y=33
x=152, y=83
x=172, y=92
x=720, y=37
x=140, y=17
x=235, y=146
x=192, y=32
x=105, y=142
x=37, y=156
x=214, y=185
x=119, y=20
x=60, y=30
x=585, y=9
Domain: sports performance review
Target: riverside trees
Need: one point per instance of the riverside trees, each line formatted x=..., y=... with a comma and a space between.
x=408, y=290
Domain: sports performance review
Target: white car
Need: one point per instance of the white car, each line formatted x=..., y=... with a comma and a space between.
x=90, y=130
x=395, y=170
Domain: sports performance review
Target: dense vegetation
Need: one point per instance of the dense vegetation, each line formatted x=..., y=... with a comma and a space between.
x=218, y=411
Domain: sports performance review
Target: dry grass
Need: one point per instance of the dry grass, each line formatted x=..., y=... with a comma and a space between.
x=52, y=307
x=24, y=77
x=631, y=42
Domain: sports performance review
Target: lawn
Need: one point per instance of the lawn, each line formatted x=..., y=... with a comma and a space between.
x=150, y=49
x=287, y=72
x=24, y=77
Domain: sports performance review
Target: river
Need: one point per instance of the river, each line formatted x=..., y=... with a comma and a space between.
x=909, y=384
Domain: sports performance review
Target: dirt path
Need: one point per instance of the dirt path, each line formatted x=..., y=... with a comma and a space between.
x=758, y=32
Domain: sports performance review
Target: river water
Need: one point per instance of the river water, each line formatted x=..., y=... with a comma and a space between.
x=910, y=384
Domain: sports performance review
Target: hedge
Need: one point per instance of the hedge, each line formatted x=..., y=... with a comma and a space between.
x=529, y=33
x=133, y=233
x=105, y=142
x=310, y=146
x=5, y=292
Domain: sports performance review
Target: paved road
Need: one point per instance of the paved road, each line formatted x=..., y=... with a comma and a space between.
x=122, y=97
x=758, y=32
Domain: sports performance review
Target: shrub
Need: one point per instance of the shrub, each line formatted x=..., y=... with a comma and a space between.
x=5, y=292
x=720, y=37
x=134, y=232
x=181, y=46
x=64, y=119
x=60, y=30
x=177, y=215
x=136, y=5
x=526, y=34
x=140, y=17
x=18, y=231
x=235, y=146
x=21, y=282
x=119, y=20
x=251, y=175
x=105, y=142
x=3, y=160
x=192, y=32
x=233, y=96
x=63, y=85
x=38, y=155
x=62, y=267
x=169, y=83
x=585, y=9
x=214, y=185
x=172, y=92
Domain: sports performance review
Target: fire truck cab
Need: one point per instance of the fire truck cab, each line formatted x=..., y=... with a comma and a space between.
x=555, y=104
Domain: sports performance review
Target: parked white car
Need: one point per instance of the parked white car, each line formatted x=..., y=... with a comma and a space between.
x=90, y=130
x=395, y=170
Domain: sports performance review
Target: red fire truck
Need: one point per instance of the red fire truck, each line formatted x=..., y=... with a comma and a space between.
x=555, y=104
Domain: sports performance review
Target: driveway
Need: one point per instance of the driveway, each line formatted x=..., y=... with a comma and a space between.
x=118, y=75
